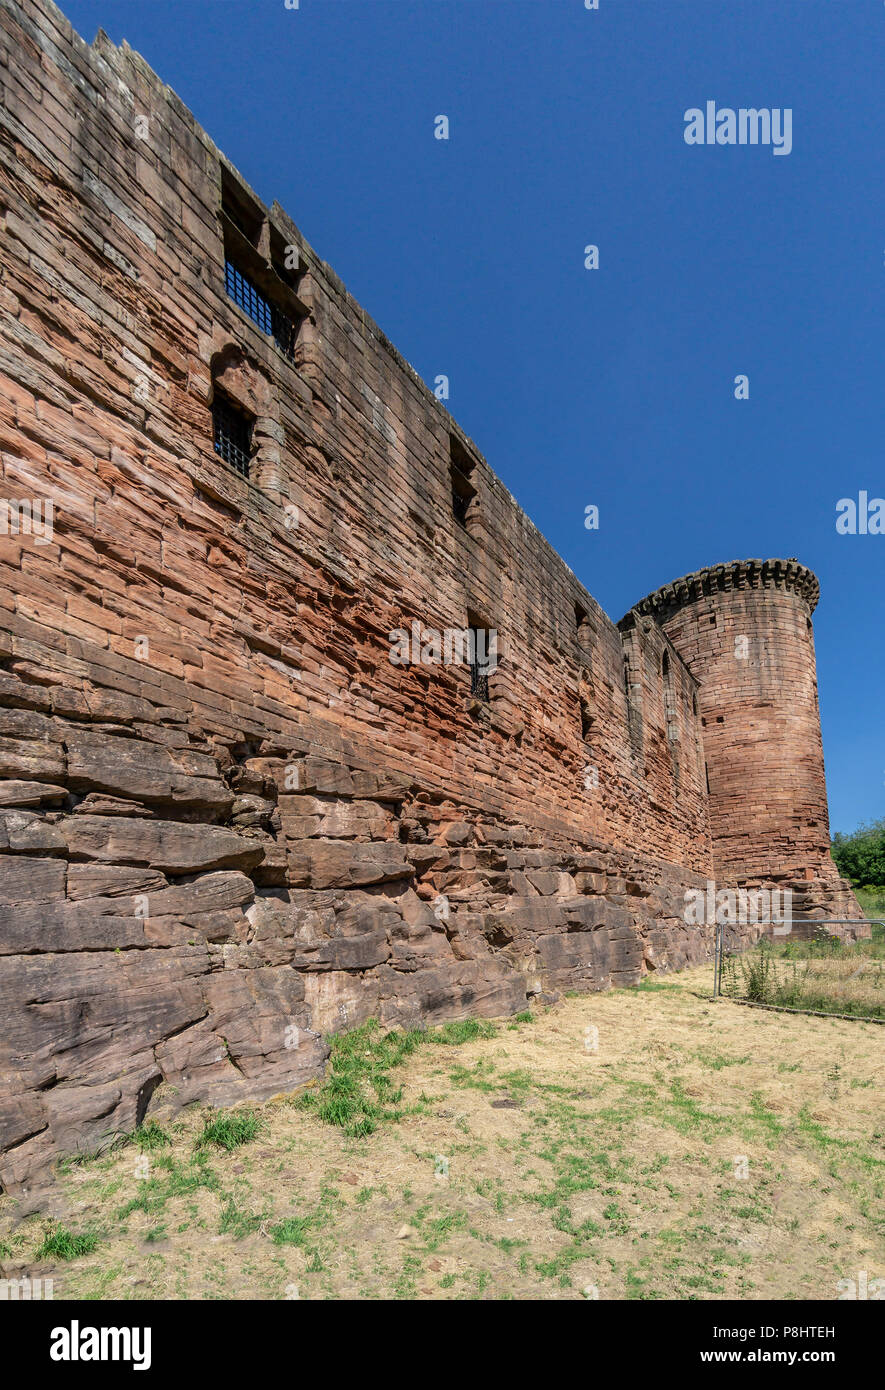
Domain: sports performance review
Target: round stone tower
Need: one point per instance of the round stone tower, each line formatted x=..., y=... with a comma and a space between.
x=744, y=631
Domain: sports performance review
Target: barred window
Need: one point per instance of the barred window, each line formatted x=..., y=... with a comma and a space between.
x=232, y=430
x=479, y=662
x=268, y=317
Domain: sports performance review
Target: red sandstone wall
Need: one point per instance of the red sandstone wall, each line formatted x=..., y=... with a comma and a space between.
x=113, y=280
x=228, y=824
x=745, y=633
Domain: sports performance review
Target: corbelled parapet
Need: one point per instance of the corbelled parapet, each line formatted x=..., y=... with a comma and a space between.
x=734, y=576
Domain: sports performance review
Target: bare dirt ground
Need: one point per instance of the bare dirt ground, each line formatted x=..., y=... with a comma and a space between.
x=642, y=1144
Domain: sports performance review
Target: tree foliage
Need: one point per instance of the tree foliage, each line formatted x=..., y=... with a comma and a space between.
x=860, y=856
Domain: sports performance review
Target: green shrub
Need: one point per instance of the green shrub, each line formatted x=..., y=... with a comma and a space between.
x=860, y=856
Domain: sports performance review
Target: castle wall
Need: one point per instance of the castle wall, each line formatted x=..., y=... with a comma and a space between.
x=229, y=824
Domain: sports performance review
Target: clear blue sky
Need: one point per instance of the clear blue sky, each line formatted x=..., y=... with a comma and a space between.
x=613, y=386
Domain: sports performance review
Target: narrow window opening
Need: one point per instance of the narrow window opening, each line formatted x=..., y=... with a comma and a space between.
x=249, y=279
x=699, y=737
x=460, y=468
x=633, y=698
x=232, y=433
x=669, y=707
x=587, y=704
x=583, y=626
x=482, y=655
x=587, y=718
x=239, y=208
x=707, y=776
x=285, y=260
x=460, y=503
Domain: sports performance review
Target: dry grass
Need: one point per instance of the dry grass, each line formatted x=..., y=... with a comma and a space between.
x=830, y=976
x=525, y=1166
x=853, y=985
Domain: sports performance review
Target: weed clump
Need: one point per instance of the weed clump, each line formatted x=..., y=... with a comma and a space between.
x=61, y=1244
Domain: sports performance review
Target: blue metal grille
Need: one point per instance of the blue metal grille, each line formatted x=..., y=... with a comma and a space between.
x=268, y=317
x=232, y=432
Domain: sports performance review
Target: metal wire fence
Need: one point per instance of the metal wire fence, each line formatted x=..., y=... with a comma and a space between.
x=807, y=968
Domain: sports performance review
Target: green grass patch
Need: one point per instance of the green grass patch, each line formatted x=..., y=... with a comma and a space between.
x=358, y=1093
x=229, y=1131
x=872, y=900
x=465, y=1030
x=236, y=1222
x=172, y=1181
x=302, y=1230
x=293, y=1231
x=151, y=1136
x=61, y=1244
